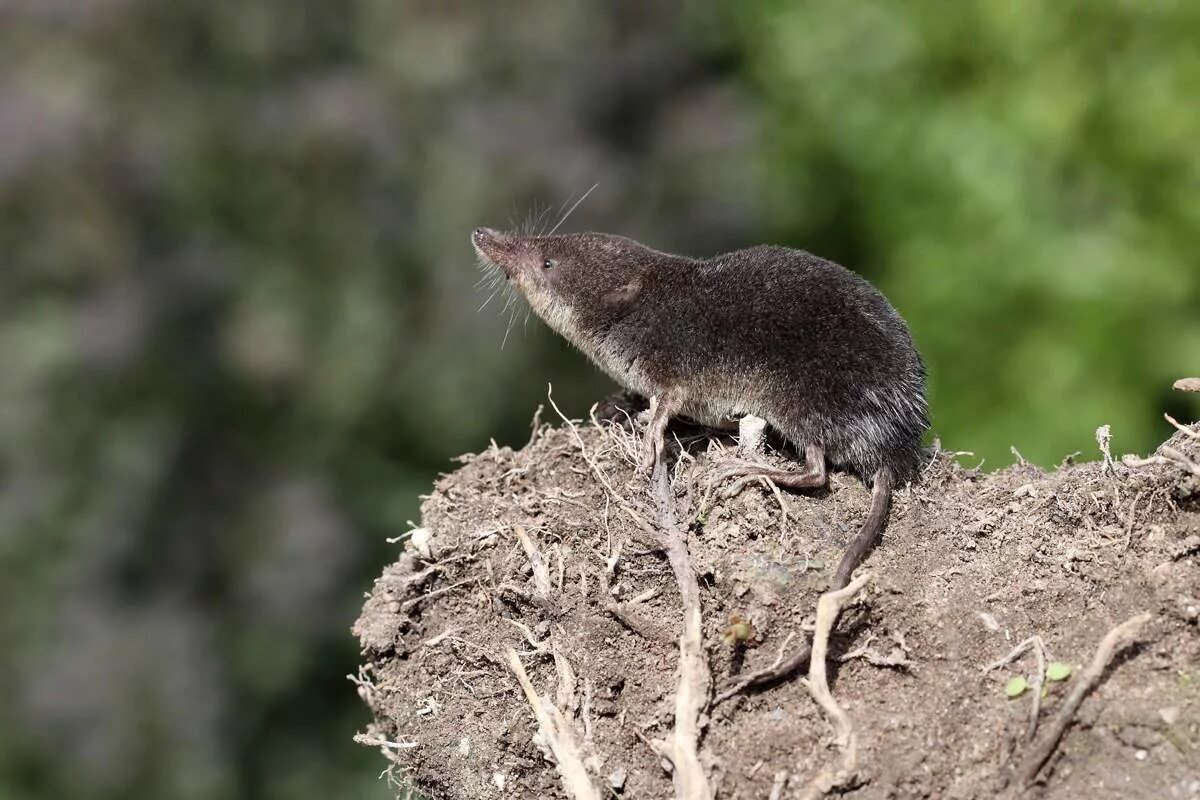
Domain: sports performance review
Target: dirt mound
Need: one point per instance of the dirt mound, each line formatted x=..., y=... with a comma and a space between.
x=550, y=551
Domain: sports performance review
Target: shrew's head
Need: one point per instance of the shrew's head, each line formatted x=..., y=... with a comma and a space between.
x=574, y=281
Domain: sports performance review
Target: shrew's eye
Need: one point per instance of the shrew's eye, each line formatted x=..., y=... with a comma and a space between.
x=548, y=263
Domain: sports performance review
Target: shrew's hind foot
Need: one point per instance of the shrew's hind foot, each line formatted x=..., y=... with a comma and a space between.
x=743, y=473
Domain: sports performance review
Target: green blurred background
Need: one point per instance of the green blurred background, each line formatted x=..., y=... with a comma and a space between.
x=238, y=326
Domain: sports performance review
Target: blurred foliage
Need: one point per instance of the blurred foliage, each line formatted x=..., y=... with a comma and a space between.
x=1020, y=178
x=238, y=328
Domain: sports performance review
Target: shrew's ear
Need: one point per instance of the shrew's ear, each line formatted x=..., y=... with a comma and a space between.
x=624, y=293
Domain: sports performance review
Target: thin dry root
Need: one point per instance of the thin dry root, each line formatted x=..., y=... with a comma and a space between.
x=691, y=696
x=778, y=785
x=557, y=734
x=828, y=608
x=637, y=622
x=1169, y=456
x=541, y=571
x=1116, y=639
x=854, y=553
x=1184, y=429
x=622, y=502
x=1038, y=647
x=386, y=746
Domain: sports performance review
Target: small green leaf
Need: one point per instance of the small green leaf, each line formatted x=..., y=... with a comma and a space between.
x=1058, y=671
x=1016, y=686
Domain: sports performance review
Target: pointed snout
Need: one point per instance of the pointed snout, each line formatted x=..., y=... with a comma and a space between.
x=494, y=247
x=481, y=237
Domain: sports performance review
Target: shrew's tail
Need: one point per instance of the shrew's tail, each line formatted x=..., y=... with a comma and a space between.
x=868, y=535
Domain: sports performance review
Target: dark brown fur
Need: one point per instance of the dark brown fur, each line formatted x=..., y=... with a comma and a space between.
x=800, y=341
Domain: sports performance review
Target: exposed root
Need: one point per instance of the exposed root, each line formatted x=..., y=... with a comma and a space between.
x=601, y=476
x=388, y=748
x=1131, y=520
x=627, y=613
x=1116, y=639
x=637, y=622
x=1038, y=647
x=828, y=608
x=408, y=605
x=541, y=571
x=778, y=785
x=853, y=555
x=1187, y=385
x=1187, y=430
x=896, y=659
x=691, y=694
x=557, y=734
x=1104, y=439
x=781, y=668
x=1169, y=456
x=566, y=696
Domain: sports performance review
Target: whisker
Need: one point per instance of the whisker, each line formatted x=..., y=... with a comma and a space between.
x=538, y=222
x=508, y=329
x=572, y=209
x=524, y=227
x=485, y=302
x=557, y=212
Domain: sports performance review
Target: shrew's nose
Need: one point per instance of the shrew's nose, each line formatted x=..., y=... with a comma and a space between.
x=482, y=235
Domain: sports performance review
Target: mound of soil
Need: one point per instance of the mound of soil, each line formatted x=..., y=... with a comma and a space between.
x=530, y=550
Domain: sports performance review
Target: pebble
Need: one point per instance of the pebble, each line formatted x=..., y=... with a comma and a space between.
x=422, y=539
